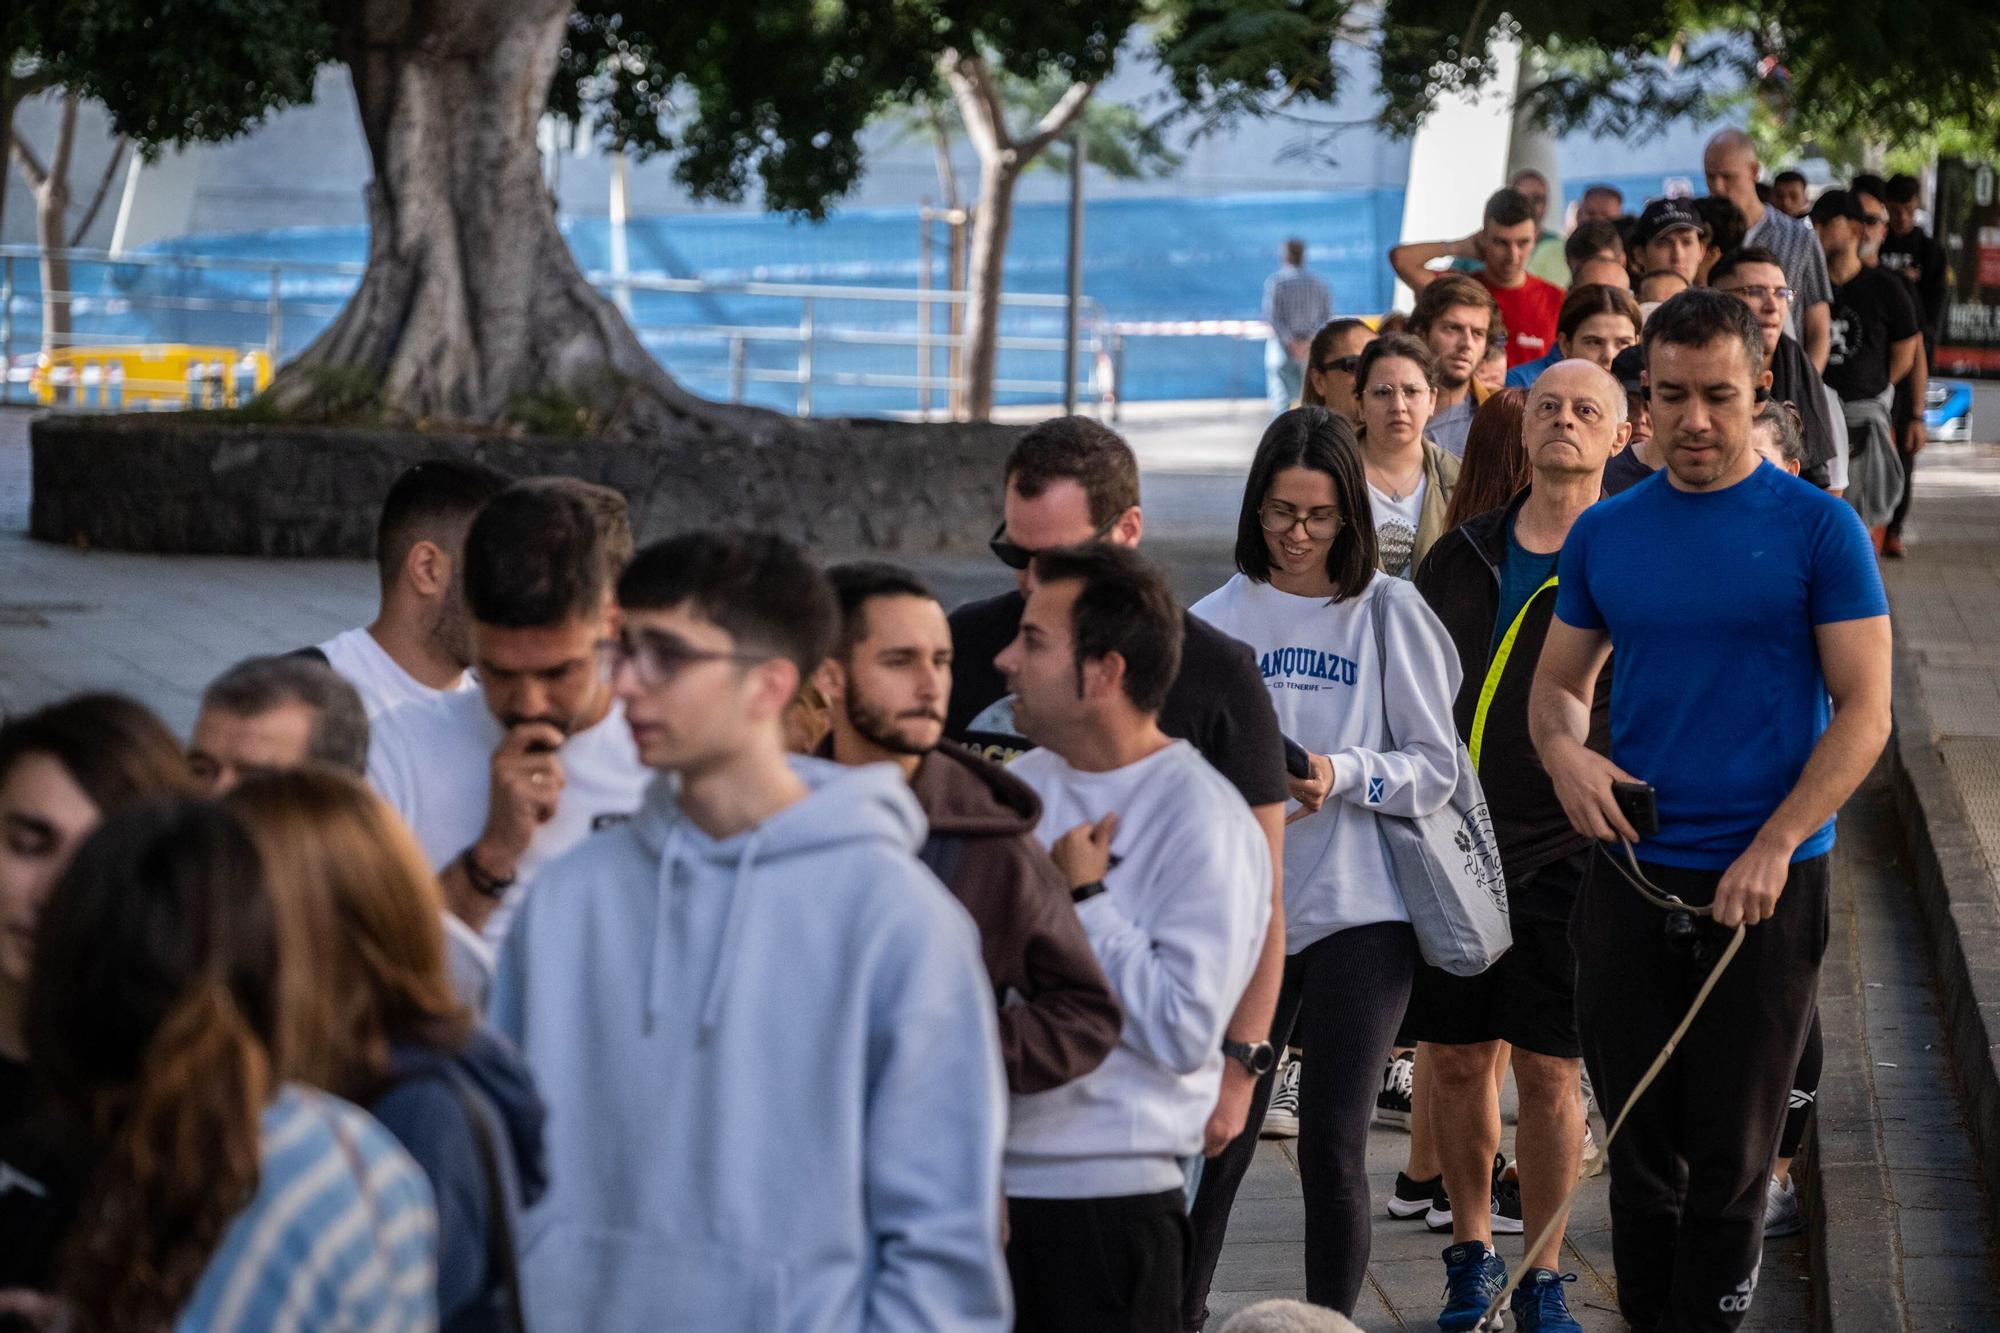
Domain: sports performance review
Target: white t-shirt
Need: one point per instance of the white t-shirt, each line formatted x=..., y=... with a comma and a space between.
x=431, y=761
x=1393, y=751
x=377, y=677
x=1178, y=931
x=1396, y=526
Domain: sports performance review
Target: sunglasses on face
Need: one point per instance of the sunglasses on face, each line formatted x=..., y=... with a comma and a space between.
x=1343, y=365
x=1020, y=557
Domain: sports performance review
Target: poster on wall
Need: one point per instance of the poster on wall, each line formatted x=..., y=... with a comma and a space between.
x=1968, y=226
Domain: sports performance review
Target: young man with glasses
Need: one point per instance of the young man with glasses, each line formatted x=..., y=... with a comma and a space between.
x=497, y=781
x=1072, y=480
x=762, y=1028
x=1755, y=277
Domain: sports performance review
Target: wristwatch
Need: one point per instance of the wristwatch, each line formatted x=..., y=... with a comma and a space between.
x=1083, y=893
x=1257, y=1058
x=484, y=884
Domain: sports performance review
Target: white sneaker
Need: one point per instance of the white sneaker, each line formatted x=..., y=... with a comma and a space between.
x=1392, y=1103
x=1782, y=1216
x=1281, y=1118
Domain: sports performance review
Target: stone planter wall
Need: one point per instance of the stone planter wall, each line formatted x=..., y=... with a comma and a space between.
x=203, y=485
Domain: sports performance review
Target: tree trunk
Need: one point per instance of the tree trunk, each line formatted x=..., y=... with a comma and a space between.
x=51, y=185
x=471, y=295
x=1002, y=159
x=992, y=223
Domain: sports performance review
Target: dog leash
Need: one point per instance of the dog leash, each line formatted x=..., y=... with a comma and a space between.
x=1680, y=926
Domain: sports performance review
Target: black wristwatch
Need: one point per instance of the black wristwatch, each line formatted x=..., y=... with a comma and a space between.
x=1083, y=893
x=484, y=884
x=1257, y=1058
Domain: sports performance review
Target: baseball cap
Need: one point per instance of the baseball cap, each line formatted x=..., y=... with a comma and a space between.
x=1626, y=368
x=1837, y=204
x=1665, y=215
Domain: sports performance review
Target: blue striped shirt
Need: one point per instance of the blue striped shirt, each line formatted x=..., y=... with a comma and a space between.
x=1295, y=304
x=341, y=1234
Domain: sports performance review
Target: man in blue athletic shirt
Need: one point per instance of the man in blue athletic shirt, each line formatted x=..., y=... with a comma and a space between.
x=1750, y=687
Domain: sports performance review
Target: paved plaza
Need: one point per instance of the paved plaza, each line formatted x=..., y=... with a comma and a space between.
x=159, y=628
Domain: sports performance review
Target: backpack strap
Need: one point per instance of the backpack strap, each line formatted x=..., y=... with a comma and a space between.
x=503, y=1275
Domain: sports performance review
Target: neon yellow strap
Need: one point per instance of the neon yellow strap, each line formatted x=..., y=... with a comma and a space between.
x=1497, y=668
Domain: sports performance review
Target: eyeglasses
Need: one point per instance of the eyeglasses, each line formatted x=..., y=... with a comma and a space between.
x=658, y=658
x=1319, y=523
x=1020, y=557
x=1755, y=294
x=1341, y=365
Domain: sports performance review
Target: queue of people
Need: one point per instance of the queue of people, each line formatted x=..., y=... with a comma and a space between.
x=529, y=958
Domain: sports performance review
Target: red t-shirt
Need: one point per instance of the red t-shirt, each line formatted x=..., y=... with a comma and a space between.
x=1529, y=311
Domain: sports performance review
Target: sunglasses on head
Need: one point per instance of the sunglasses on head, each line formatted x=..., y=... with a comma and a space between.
x=1020, y=557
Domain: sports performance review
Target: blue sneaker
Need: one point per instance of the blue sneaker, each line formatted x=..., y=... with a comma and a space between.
x=1473, y=1276
x=1538, y=1304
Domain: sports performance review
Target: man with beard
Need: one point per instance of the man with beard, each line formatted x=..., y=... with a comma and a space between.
x=1507, y=235
x=420, y=644
x=1730, y=163
x=1755, y=277
x=887, y=684
x=497, y=782
x=1455, y=317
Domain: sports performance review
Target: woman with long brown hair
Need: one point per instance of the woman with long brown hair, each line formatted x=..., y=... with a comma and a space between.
x=63, y=769
x=369, y=1014
x=1495, y=466
x=1410, y=479
x=221, y=1199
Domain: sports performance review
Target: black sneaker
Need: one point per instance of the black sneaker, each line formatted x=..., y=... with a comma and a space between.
x=1504, y=1203
x=1392, y=1103
x=1413, y=1197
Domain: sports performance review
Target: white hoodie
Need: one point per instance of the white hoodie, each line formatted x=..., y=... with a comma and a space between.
x=1327, y=681
x=773, y=1076
x=1178, y=931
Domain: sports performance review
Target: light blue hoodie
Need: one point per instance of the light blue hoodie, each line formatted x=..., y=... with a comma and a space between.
x=772, y=1072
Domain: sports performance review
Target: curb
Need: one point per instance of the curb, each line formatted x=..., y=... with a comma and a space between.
x=1852, y=1228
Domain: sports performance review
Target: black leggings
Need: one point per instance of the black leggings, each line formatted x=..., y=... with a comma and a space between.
x=1341, y=1001
x=1805, y=1089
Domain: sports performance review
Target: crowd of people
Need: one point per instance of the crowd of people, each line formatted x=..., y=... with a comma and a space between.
x=691, y=937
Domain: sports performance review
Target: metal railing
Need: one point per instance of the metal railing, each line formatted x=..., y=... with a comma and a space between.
x=821, y=342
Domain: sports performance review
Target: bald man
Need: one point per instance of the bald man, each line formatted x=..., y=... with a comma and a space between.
x=1483, y=579
x=1610, y=272
x=1730, y=163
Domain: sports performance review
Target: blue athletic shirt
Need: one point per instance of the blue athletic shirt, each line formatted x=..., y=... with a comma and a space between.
x=1711, y=600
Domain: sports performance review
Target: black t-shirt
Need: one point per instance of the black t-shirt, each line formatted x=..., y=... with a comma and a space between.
x=41, y=1175
x=1871, y=311
x=1218, y=701
x=1625, y=470
x=1919, y=260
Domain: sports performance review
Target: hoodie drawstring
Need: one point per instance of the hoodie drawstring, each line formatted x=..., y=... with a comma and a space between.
x=727, y=947
x=663, y=888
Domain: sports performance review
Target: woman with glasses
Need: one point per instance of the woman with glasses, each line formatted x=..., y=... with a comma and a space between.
x=1409, y=479
x=1330, y=365
x=1362, y=676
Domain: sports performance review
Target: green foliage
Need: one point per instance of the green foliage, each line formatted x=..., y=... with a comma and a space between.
x=554, y=412
x=322, y=396
x=183, y=71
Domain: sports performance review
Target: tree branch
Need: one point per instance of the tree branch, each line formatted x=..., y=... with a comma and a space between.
x=65, y=141
x=24, y=158
x=941, y=146
x=1067, y=108
x=103, y=189
x=978, y=104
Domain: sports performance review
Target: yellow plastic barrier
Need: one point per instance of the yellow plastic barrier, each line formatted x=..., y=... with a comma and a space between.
x=148, y=375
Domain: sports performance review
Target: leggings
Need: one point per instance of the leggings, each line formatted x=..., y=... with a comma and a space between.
x=1341, y=1001
x=1805, y=1088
